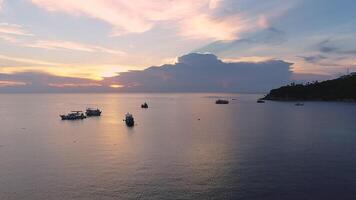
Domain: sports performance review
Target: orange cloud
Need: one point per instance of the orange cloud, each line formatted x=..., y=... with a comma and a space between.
x=64, y=85
x=138, y=16
x=116, y=86
x=94, y=72
x=213, y=4
x=11, y=83
x=206, y=27
x=252, y=59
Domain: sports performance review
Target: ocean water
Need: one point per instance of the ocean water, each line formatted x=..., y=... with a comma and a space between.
x=183, y=147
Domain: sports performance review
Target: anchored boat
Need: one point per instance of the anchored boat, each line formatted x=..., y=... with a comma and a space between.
x=145, y=105
x=74, y=115
x=129, y=120
x=221, y=101
x=91, y=112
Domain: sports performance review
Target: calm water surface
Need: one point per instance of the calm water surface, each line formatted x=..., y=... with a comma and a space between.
x=243, y=150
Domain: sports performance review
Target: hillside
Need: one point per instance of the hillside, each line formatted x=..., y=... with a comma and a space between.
x=340, y=89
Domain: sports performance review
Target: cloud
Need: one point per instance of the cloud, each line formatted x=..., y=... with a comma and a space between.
x=28, y=60
x=330, y=47
x=308, y=77
x=213, y=4
x=191, y=73
x=203, y=26
x=206, y=73
x=134, y=16
x=263, y=22
x=13, y=65
x=67, y=45
x=313, y=59
x=195, y=19
x=13, y=29
x=11, y=83
x=270, y=36
x=12, y=32
x=32, y=82
x=9, y=38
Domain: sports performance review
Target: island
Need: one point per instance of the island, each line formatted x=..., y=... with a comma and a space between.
x=340, y=89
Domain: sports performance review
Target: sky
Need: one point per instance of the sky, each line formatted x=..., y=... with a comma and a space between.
x=111, y=45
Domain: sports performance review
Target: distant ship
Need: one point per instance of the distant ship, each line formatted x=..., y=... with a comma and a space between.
x=221, y=101
x=260, y=101
x=91, y=112
x=129, y=120
x=299, y=104
x=74, y=115
x=145, y=105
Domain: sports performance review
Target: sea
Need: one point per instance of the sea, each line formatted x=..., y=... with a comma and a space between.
x=183, y=146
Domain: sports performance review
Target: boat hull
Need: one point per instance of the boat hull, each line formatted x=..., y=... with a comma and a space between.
x=130, y=123
x=222, y=101
x=93, y=113
x=64, y=117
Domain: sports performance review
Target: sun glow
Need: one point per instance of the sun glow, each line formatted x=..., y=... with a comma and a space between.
x=116, y=86
x=248, y=59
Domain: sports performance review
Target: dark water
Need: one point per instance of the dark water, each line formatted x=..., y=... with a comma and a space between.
x=243, y=150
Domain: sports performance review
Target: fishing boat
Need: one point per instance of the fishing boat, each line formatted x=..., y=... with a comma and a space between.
x=221, y=101
x=73, y=115
x=145, y=105
x=129, y=120
x=92, y=112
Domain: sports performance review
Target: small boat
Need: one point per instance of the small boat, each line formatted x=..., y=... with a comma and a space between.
x=260, y=101
x=299, y=104
x=74, y=115
x=91, y=112
x=221, y=101
x=145, y=105
x=129, y=120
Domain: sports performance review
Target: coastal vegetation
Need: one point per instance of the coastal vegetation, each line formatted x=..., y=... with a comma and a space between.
x=340, y=89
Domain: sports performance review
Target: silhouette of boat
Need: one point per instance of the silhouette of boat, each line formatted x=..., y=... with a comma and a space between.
x=221, y=101
x=260, y=101
x=91, y=112
x=145, y=105
x=299, y=104
x=73, y=115
x=129, y=120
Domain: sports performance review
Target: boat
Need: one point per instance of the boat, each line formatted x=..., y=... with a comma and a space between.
x=73, y=115
x=260, y=101
x=93, y=112
x=299, y=104
x=129, y=120
x=221, y=101
x=145, y=105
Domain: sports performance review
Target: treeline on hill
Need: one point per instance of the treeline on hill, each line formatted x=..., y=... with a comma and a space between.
x=340, y=89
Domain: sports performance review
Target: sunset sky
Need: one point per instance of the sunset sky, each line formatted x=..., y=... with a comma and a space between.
x=94, y=40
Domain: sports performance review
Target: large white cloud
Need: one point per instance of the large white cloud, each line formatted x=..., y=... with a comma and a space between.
x=206, y=73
